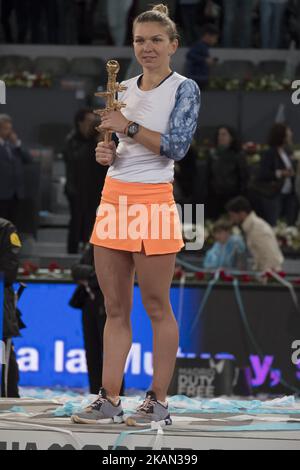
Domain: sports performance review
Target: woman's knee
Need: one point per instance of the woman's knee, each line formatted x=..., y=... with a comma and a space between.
x=116, y=309
x=156, y=308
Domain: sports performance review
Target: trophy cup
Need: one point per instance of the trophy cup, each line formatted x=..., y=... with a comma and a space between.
x=112, y=104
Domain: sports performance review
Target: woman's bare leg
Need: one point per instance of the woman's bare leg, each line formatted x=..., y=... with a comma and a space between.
x=155, y=274
x=115, y=272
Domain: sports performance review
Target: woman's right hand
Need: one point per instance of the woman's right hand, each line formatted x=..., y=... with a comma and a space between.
x=106, y=153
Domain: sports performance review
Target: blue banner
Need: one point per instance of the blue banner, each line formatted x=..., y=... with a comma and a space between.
x=50, y=352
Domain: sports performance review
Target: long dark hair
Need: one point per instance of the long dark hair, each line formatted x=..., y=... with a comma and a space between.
x=277, y=135
x=235, y=141
x=80, y=116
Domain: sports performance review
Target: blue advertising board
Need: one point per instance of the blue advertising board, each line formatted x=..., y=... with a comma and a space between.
x=50, y=352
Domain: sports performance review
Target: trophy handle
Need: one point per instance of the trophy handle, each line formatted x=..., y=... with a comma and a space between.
x=110, y=95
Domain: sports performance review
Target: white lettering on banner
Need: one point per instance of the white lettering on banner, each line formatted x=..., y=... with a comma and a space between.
x=296, y=94
x=73, y=361
x=76, y=363
x=2, y=92
x=134, y=357
x=148, y=364
x=196, y=382
x=28, y=360
x=2, y=353
x=59, y=356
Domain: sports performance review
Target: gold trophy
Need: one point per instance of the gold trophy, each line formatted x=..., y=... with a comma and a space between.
x=112, y=104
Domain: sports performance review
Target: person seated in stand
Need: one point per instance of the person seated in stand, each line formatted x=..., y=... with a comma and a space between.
x=260, y=237
x=228, y=251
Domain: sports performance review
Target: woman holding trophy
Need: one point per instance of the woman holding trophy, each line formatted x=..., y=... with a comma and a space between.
x=155, y=129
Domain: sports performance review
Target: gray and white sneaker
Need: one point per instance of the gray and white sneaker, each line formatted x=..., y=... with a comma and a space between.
x=102, y=411
x=150, y=410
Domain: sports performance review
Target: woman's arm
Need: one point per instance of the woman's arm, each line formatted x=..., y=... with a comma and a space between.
x=183, y=124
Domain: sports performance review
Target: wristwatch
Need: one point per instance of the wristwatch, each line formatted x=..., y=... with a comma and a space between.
x=133, y=129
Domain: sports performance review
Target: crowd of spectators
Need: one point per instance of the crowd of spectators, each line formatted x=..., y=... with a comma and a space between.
x=271, y=185
x=242, y=23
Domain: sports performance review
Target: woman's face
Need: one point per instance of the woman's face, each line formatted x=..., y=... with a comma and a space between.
x=152, y=46
x=224, y=138
x=222, y=236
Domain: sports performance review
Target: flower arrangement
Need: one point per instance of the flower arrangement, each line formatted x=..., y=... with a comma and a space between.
x=265, y=83
x=288, y=237
x=27, y=80
x=32, y=271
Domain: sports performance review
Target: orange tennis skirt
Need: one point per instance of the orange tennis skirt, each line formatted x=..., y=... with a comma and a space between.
x=138, y=217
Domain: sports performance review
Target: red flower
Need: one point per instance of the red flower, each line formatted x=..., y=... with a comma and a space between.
x=29, y=268
x=282, y=274
x=226, y=277
x=200, y=276
x=53, y=266
x=178, y=273
x=250, y=147
x=246, y=278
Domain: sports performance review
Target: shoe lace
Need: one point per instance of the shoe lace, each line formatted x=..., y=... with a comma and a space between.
x=147, y=405
x=98, y=403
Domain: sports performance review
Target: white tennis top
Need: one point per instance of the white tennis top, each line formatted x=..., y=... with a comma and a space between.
x=151, y=109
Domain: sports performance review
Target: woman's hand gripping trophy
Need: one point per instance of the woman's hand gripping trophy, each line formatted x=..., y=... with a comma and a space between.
x=112, y=120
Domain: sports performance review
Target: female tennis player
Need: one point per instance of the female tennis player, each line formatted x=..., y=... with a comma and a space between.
x=130, y=234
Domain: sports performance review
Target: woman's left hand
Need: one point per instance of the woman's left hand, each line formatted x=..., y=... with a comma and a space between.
x=114, y=121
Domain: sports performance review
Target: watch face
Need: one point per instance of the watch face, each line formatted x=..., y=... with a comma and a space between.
x=133, y=129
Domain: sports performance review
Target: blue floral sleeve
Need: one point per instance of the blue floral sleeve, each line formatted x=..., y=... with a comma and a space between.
x=183, y=122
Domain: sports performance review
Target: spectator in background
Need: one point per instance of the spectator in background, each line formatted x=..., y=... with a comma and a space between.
x=12, y=159
x=84, y=178
x=117, y=13
x=212, y=12
x=277, y=173
x=89, y=298
x=227, y=171
x=229, y=251
x=189, y=12
x=44, y=21
x=67, y=21
x=237, y=23
x=260, y=237
x=271, y=22
x=293, y=11
x=198, y=60
x=85, y=20
x=20, y=8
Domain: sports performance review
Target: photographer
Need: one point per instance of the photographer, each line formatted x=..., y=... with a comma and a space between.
x=10, y=246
